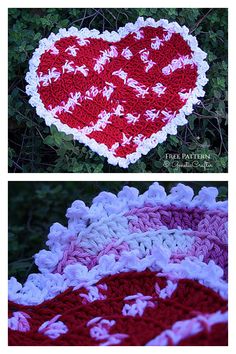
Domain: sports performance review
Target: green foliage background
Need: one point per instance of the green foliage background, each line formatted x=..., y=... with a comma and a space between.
x=35, y=206
x=33, y=147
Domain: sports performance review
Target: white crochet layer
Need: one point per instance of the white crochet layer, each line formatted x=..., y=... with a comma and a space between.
x=145, y=146
x=41, y=287
x=98, y=236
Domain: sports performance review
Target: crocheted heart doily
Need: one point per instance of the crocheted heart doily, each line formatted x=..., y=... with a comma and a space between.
x=131, y=269
x=119, y=93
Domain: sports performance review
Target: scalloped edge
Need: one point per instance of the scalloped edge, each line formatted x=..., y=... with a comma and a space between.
x=180, y=195
x=156, y=138
x=85, y=223
x=40, y=287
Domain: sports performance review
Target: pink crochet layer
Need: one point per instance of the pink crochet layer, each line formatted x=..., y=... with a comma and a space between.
x=173, y=217
x=76, y=254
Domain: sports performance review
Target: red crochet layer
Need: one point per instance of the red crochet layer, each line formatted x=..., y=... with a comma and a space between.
x=92, y=84
x=188, y=300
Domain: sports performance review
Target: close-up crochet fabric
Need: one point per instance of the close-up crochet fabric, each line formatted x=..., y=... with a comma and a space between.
x=131, y=269
x=120, y=93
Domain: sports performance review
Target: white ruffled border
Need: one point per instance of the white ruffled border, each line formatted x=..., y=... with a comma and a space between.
x=40, y=287
x=92, y=228
x=181, y=195
x=156, y=138
x=46, y=285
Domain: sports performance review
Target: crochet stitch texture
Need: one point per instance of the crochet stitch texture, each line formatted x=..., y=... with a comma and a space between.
x=132, y=269
x=120, y=93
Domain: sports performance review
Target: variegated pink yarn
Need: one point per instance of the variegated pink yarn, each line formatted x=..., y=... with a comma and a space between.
x=74, y=254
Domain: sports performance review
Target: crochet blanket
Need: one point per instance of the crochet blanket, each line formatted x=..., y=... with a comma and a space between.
x=132, y=269
x=119, y=93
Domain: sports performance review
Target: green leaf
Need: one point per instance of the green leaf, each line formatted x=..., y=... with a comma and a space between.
x=48, y=140
x=54, y=130
x=191, y=120
x=160, y=150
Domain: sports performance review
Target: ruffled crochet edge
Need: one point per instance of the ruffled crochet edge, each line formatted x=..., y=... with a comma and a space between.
x=46, y=285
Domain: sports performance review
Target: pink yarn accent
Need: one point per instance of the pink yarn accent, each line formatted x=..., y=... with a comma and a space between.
x=19, y=322
x=94, y=294
x=72, y=255
x=53, y=328
x=111, y=248
x=215, y=225
x=136, y=304
x=100, y=331
x=167, y=291
x=210, y=247
x=171, y=216
x=75, y=253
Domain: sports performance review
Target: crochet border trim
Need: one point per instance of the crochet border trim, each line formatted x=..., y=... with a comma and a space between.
x=46, y=285
x=78, y=276
x=156, y=138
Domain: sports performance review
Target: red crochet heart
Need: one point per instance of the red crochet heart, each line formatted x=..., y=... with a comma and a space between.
x=80, y=314
x=119, y=93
